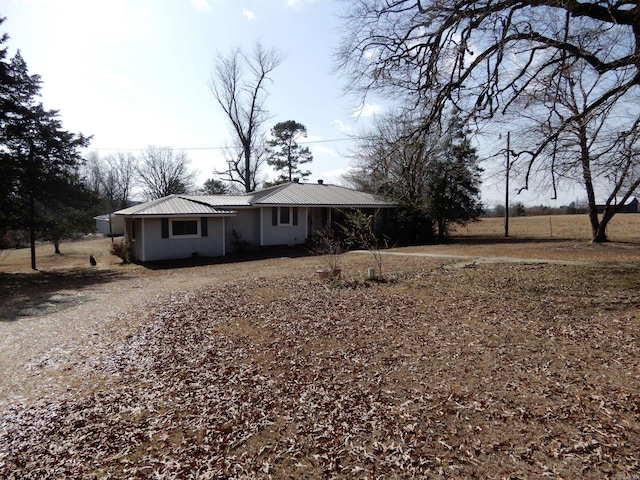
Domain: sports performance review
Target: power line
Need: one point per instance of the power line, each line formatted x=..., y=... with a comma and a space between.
x=214, y=148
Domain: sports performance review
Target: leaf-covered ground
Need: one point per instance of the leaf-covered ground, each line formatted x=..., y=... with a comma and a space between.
x=501, y=371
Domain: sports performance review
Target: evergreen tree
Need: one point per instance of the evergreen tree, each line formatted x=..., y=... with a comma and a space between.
x=453, y=182
x=284, y=152
x=37, y=156
x=214, y=186
x=69, y=213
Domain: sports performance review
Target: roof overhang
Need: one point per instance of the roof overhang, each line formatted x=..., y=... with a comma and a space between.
x=227, y=213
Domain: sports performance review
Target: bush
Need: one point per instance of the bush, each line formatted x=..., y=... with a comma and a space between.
x=122, y=250
x=325, y=243
x=14, y=239
x=414, y=226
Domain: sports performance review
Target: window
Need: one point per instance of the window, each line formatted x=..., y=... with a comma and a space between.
x=184, y=228
x=284, y=216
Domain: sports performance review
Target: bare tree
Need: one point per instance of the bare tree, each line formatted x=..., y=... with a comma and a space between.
x=123, y=167
x=162, y=172
x=391, y=161
x=434, y=172
x=483, y=56
x=112, y=178
x=597, y=151
x=238, y=84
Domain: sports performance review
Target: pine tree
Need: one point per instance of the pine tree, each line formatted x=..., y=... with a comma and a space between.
x=284, y=152
x=453, y=182
x=37, y=155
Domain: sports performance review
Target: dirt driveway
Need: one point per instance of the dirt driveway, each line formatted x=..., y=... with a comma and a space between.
x=55, y=330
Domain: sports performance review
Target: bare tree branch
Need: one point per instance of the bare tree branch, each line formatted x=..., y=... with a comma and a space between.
x=238, y=83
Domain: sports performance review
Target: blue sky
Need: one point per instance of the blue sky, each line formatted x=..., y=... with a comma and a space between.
x=135, y=73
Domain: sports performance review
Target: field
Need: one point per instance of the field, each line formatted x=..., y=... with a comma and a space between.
x=481, y=358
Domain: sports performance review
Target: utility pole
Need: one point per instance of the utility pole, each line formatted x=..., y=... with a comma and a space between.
x=506, y=192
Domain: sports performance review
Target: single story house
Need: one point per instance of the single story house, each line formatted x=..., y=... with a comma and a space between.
x=183, y=226
x=110, y=224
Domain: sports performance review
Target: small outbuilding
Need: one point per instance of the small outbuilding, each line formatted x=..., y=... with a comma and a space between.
x=631, y=206
x=110, y=224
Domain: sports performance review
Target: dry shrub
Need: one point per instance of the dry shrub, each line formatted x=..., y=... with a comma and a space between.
x=122, y=250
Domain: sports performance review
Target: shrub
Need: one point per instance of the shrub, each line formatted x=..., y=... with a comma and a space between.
x=122, y=250
x=414, y=225
x=325, y=243
x=358, y=231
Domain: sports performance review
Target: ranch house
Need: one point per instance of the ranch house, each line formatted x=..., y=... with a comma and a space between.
x=183, y=226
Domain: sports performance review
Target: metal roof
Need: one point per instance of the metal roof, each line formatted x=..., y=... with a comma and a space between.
x=315, y=194
x=289, y=194
x=175, y=205
x=222, y=200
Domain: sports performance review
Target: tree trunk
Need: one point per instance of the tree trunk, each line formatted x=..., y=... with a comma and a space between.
x=56, y=246
x=597, y=234
x=32, y=230
x=441, y=229
x=601, y=235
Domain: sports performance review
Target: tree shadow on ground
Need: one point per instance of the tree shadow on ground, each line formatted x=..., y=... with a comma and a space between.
x=42, y=292
x=262, y=254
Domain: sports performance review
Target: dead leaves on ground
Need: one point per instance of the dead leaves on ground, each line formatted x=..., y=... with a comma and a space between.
x=501, y=371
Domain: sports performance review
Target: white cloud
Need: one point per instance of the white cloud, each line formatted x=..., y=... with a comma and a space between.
x=332, y=176
x=249, y=14
x=202, y=5
x=325, y=151
x=297, y=3
x=342, y=127
x=366, y=110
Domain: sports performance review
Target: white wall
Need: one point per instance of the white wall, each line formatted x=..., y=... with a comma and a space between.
x=117, y=225
x=283, y=234
x=246, y=224
x=157, y=248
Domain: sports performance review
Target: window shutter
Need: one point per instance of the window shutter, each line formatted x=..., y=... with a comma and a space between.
x=165, y=227
x=204, y=227
x=274, y=216
x=295, y=215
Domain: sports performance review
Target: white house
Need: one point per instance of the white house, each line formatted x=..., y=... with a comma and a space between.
x=182, y=226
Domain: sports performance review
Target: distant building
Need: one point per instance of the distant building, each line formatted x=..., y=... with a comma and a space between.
x=117, y=224
x=630, y=207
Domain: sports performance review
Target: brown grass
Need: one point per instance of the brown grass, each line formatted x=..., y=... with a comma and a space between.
x=622, y=228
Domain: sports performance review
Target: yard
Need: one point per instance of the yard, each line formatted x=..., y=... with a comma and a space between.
x=475, y=359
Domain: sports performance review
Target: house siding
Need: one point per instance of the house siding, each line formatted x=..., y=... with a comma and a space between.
x=158, y=248
x=283, y=234
x=135, y=243
x=246, y=224
x=319, y=218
